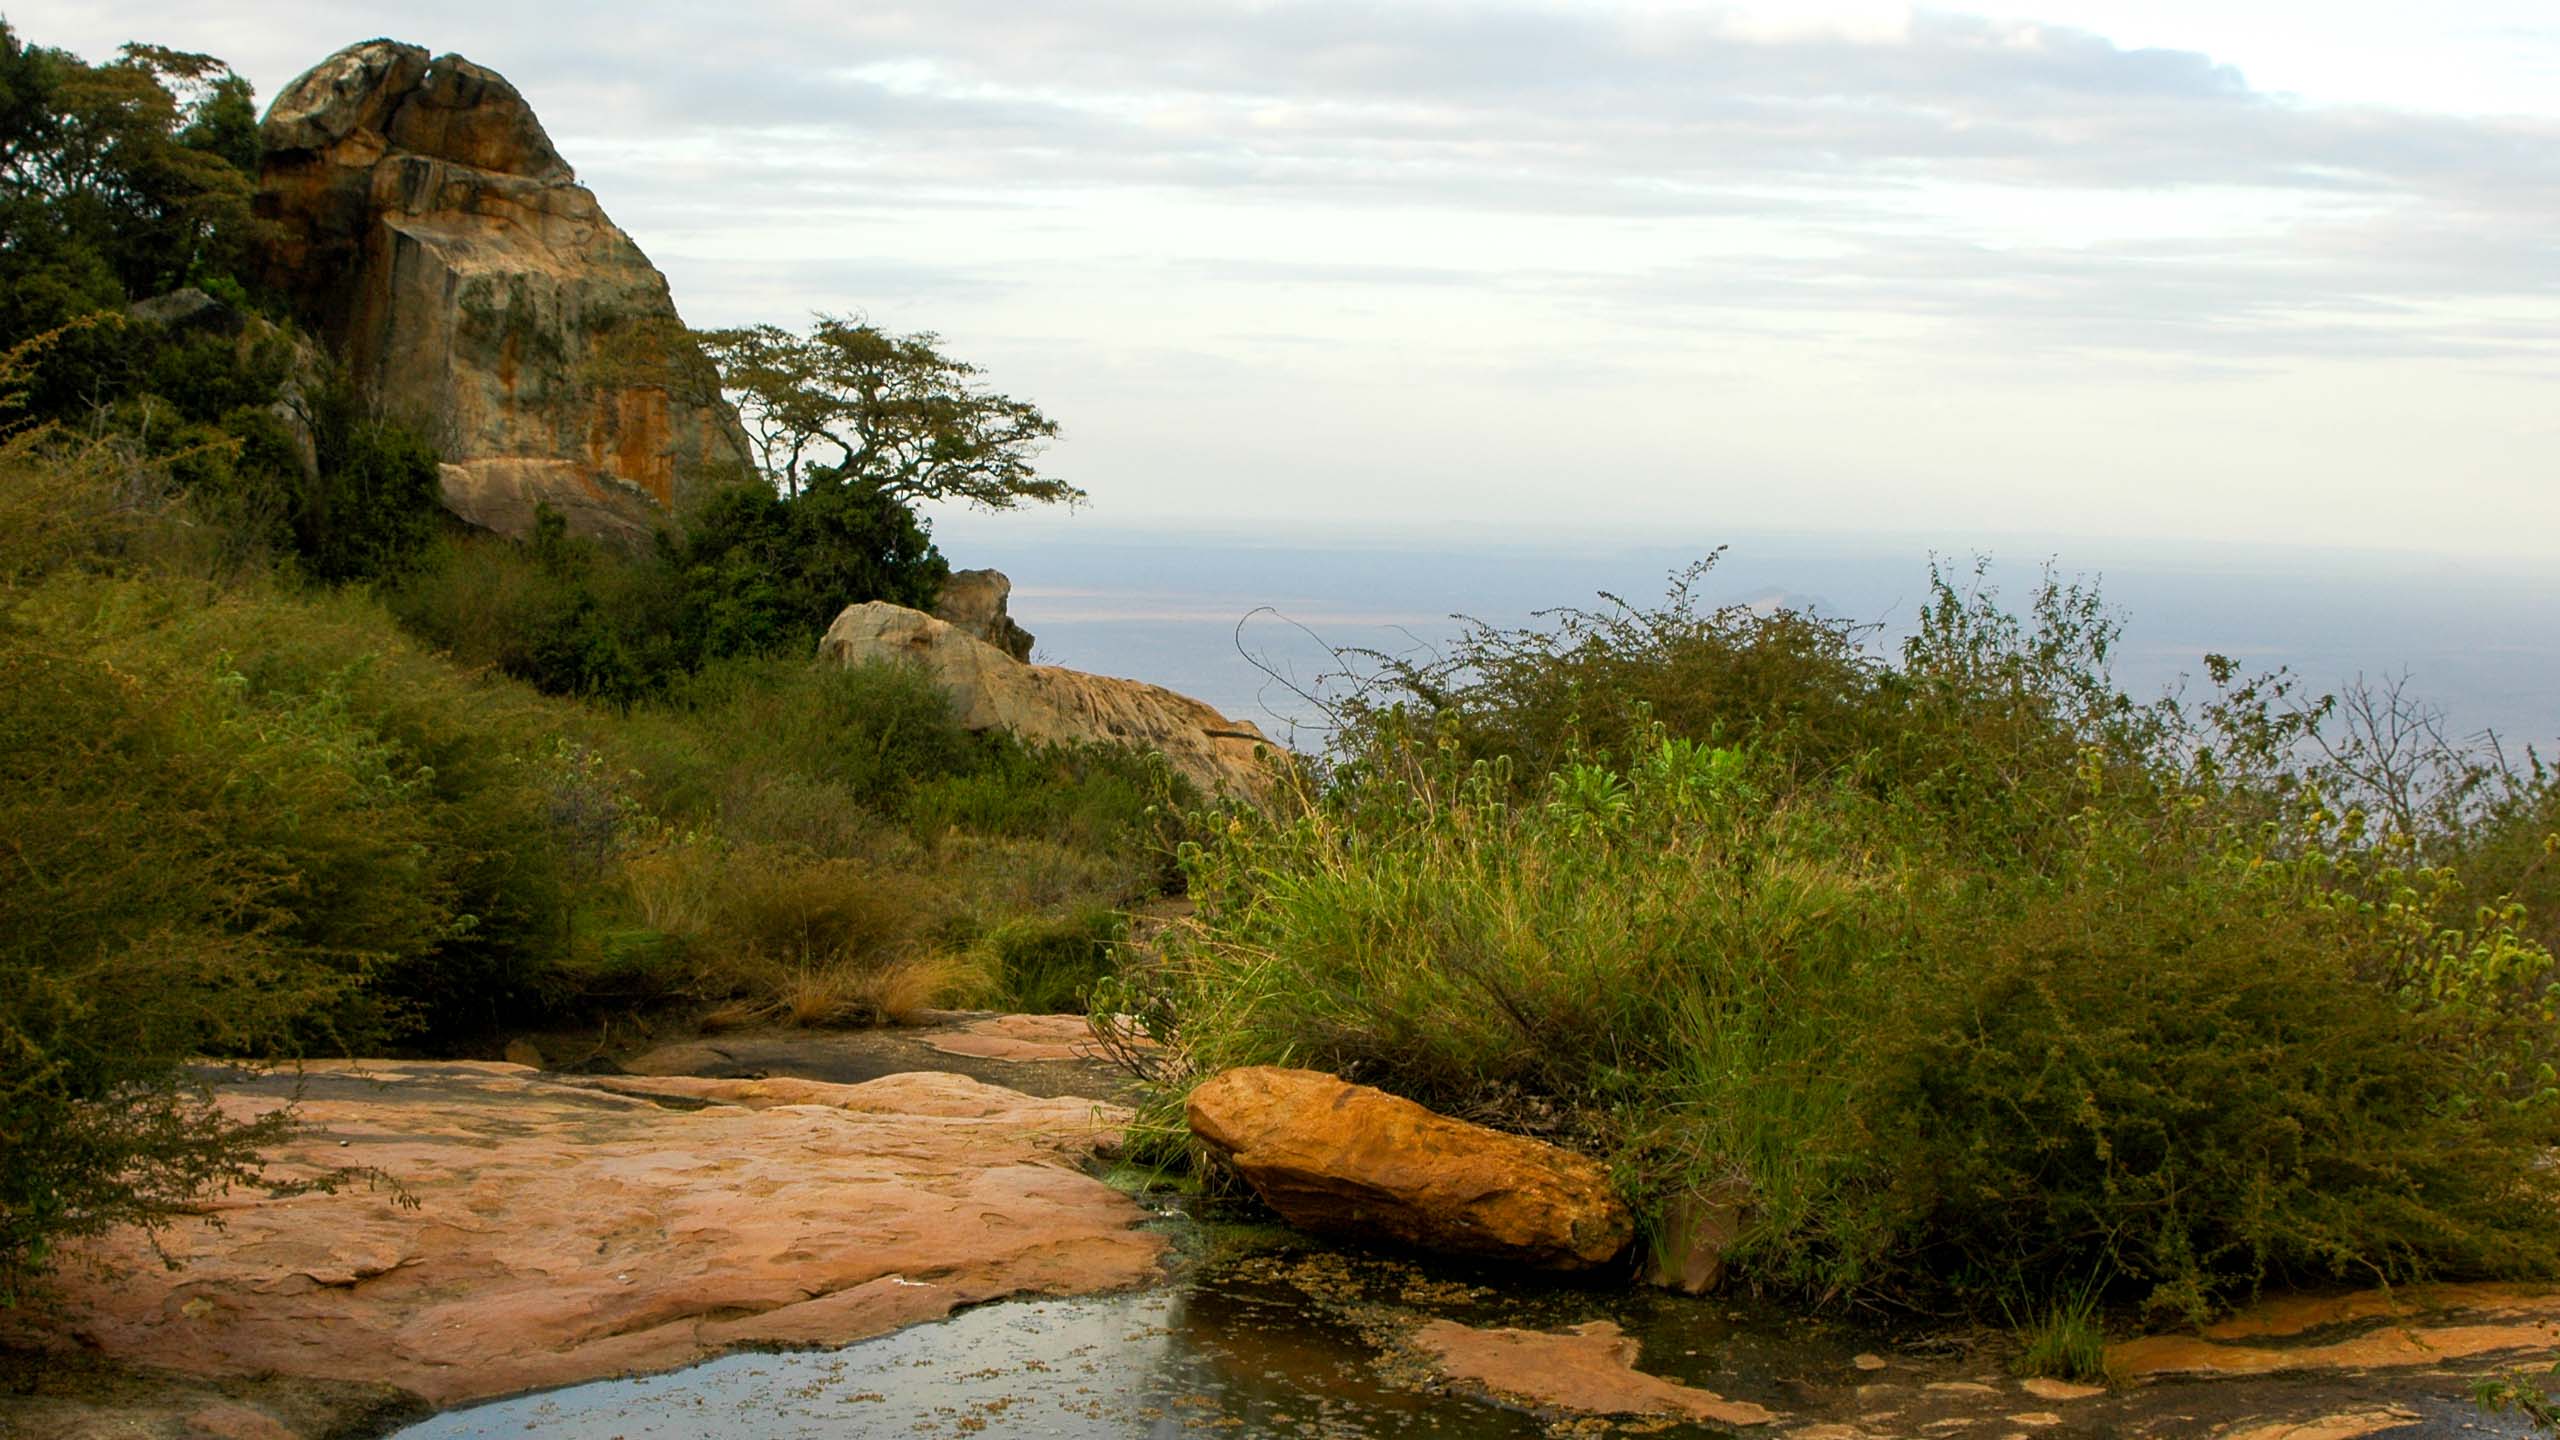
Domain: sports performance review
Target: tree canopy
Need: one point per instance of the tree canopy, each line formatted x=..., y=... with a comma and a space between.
x=117, y=181
x=890, y=412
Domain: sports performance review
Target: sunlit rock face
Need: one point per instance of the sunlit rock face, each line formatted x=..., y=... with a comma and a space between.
x=518, y=1230
x=426, y=229
x=1343, y=1159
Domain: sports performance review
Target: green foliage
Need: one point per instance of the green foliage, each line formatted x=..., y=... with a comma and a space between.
x=372, y=504
x=133, y=934
x=417, y=846
x=117, y=181
x=2168, y=1069
x=757, y=574
x=1735, y=673
x=750, y=575
x=1050, y=966
x=1965, y=967
x=887, y=415
x=2522, y=1392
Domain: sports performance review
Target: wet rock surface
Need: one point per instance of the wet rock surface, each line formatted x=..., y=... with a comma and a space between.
x=1338, y=1158
x=2418, y=1326
x=1589, y=1369
x=1259, y=1334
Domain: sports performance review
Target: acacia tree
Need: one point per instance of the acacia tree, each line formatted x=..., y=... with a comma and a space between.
x=890, y=412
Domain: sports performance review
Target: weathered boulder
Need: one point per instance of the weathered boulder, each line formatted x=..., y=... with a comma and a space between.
x=424, y=227
x=1351, y=1160
x=1049, y=704
x=188, y=310
x=975, y=600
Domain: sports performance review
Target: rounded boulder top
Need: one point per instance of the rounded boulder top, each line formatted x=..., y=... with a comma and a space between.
x=388, y=95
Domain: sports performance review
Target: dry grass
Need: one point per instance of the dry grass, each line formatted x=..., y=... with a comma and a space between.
x=782, y=938
x=675, y=886
x=829, y=993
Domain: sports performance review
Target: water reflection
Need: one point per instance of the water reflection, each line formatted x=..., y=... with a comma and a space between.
x=1242, y=1358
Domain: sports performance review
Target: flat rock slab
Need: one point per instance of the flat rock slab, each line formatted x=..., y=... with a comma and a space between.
x=2416, y=1326
x=554, y=1229
x=1587, y=1370
x=1019, y=1038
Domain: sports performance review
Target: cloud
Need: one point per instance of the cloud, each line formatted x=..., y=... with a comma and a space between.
x=810, y=112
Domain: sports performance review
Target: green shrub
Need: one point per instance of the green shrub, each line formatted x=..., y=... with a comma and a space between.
x=761, y=574
x=749, y=576
x=779, y=907
x=1049, y=966
x=374, y=502
x=2173, y=1074
x=135, y=933
x=2013, y=996
x=1588, y=678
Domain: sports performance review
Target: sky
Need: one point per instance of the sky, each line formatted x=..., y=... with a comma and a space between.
x=2144, y=270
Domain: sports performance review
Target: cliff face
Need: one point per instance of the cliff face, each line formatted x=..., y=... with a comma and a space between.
x=429, y=233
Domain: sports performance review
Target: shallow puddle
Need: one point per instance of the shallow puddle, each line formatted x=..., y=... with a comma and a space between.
x=1163, y=1363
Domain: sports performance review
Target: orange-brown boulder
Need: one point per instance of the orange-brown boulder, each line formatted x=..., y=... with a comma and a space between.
x=1355, y=1161
x=423, y=226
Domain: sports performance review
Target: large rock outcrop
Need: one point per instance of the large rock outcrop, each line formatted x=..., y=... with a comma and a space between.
x=1349, y=1160
x=1048, y=704
x=426, y=230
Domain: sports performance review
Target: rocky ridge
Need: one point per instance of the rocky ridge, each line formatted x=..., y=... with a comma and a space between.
x=1047, y=704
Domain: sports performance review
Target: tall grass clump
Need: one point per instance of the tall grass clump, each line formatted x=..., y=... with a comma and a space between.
x=2063, y=1339
x=1975, y=976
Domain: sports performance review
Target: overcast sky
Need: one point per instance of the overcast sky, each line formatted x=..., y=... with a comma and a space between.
x=2267, y=272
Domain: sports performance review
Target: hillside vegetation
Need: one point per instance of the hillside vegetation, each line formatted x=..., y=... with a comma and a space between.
x=1974, y=980
x=251, y=815
x=295, y=765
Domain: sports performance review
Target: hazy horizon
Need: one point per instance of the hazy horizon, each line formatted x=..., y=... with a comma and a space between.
x=2479, y=642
